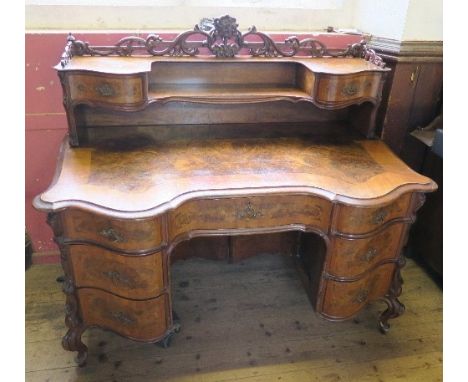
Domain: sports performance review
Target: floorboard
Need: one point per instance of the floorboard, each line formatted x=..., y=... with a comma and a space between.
x=249, y=322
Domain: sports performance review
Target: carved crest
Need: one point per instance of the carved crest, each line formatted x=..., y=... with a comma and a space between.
x=222, y=38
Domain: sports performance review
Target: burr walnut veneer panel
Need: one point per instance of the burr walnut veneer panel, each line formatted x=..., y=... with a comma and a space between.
x=141, y=320
x=131, y=276
x=121, y=234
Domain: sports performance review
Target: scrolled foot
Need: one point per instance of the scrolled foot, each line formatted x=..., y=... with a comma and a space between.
x=176, y=322
x=394, y=309
x=81, y=358
x=72, y=342
x=166, y=341
x=384, y=327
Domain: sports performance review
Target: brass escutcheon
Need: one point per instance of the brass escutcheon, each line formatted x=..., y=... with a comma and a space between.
x=350, y=89
x=123, y=318
x=370, y=255
x=248, y=212
x=361, y=296
x=112, y=235
x=379, y=216
x=105, y=90
x=116, y=277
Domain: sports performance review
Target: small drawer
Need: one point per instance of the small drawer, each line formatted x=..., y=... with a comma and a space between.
x=120, y=234
x=134, y=276
x=106, y=89
x=344, y=299
x=140, y=320
x=346, y=89
x=359, y=220
x=352, y=257
x=249, y=212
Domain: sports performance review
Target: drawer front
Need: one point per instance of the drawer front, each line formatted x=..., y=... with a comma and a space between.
x=351, y=257
x=141, y=320
x=104, y=89
x=131, y=234
x=334, y=89
x=358, y=220
x=136, y=277
x=344, y=299
x=249, y=212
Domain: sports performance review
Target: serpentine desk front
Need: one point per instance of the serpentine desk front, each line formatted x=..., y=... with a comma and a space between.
x=165, y=149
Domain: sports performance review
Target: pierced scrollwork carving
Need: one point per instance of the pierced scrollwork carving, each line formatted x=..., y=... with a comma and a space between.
x=222, y=38
x=361, y=50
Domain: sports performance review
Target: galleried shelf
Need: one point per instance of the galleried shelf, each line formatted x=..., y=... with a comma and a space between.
x=238, y=69
x=135, y=84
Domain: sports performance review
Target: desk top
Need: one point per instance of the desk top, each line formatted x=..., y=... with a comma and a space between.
x=135, y=178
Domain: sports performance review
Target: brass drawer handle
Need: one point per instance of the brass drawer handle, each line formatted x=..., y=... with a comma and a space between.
x=350, y=90
x=248, y=212
x=123, y=318
x=370, y=255
x=361, y=296
x=379, y=216
x=112, y=235
x=117, y=277
x=105, y=90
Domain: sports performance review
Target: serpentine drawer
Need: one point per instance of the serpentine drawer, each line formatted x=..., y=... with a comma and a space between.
x=134, y=276
x=361, y=220
x=106, y=89
x=342, y=300
x=119, y=234
x=140, y=320
x=343, y=90
x=249, y=212
x=352, y=257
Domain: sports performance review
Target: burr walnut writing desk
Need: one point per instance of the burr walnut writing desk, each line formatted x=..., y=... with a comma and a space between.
x=171, y=145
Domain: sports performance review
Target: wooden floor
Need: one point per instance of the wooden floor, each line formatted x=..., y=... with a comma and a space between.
x=244, y=322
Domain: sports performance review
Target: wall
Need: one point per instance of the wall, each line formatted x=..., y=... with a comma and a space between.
x=423, y=21
x=381, y=18
x=266, y=15
x=405, y=20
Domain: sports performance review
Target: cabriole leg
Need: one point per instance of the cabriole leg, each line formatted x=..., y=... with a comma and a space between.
x=394, y=307
x=72, y=342
x=166, y=341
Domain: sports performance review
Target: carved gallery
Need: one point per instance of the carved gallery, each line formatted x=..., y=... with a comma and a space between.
x=228, y=202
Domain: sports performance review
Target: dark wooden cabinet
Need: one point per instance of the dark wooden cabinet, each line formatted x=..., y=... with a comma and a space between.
x=412, y=94
x=166, y=149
